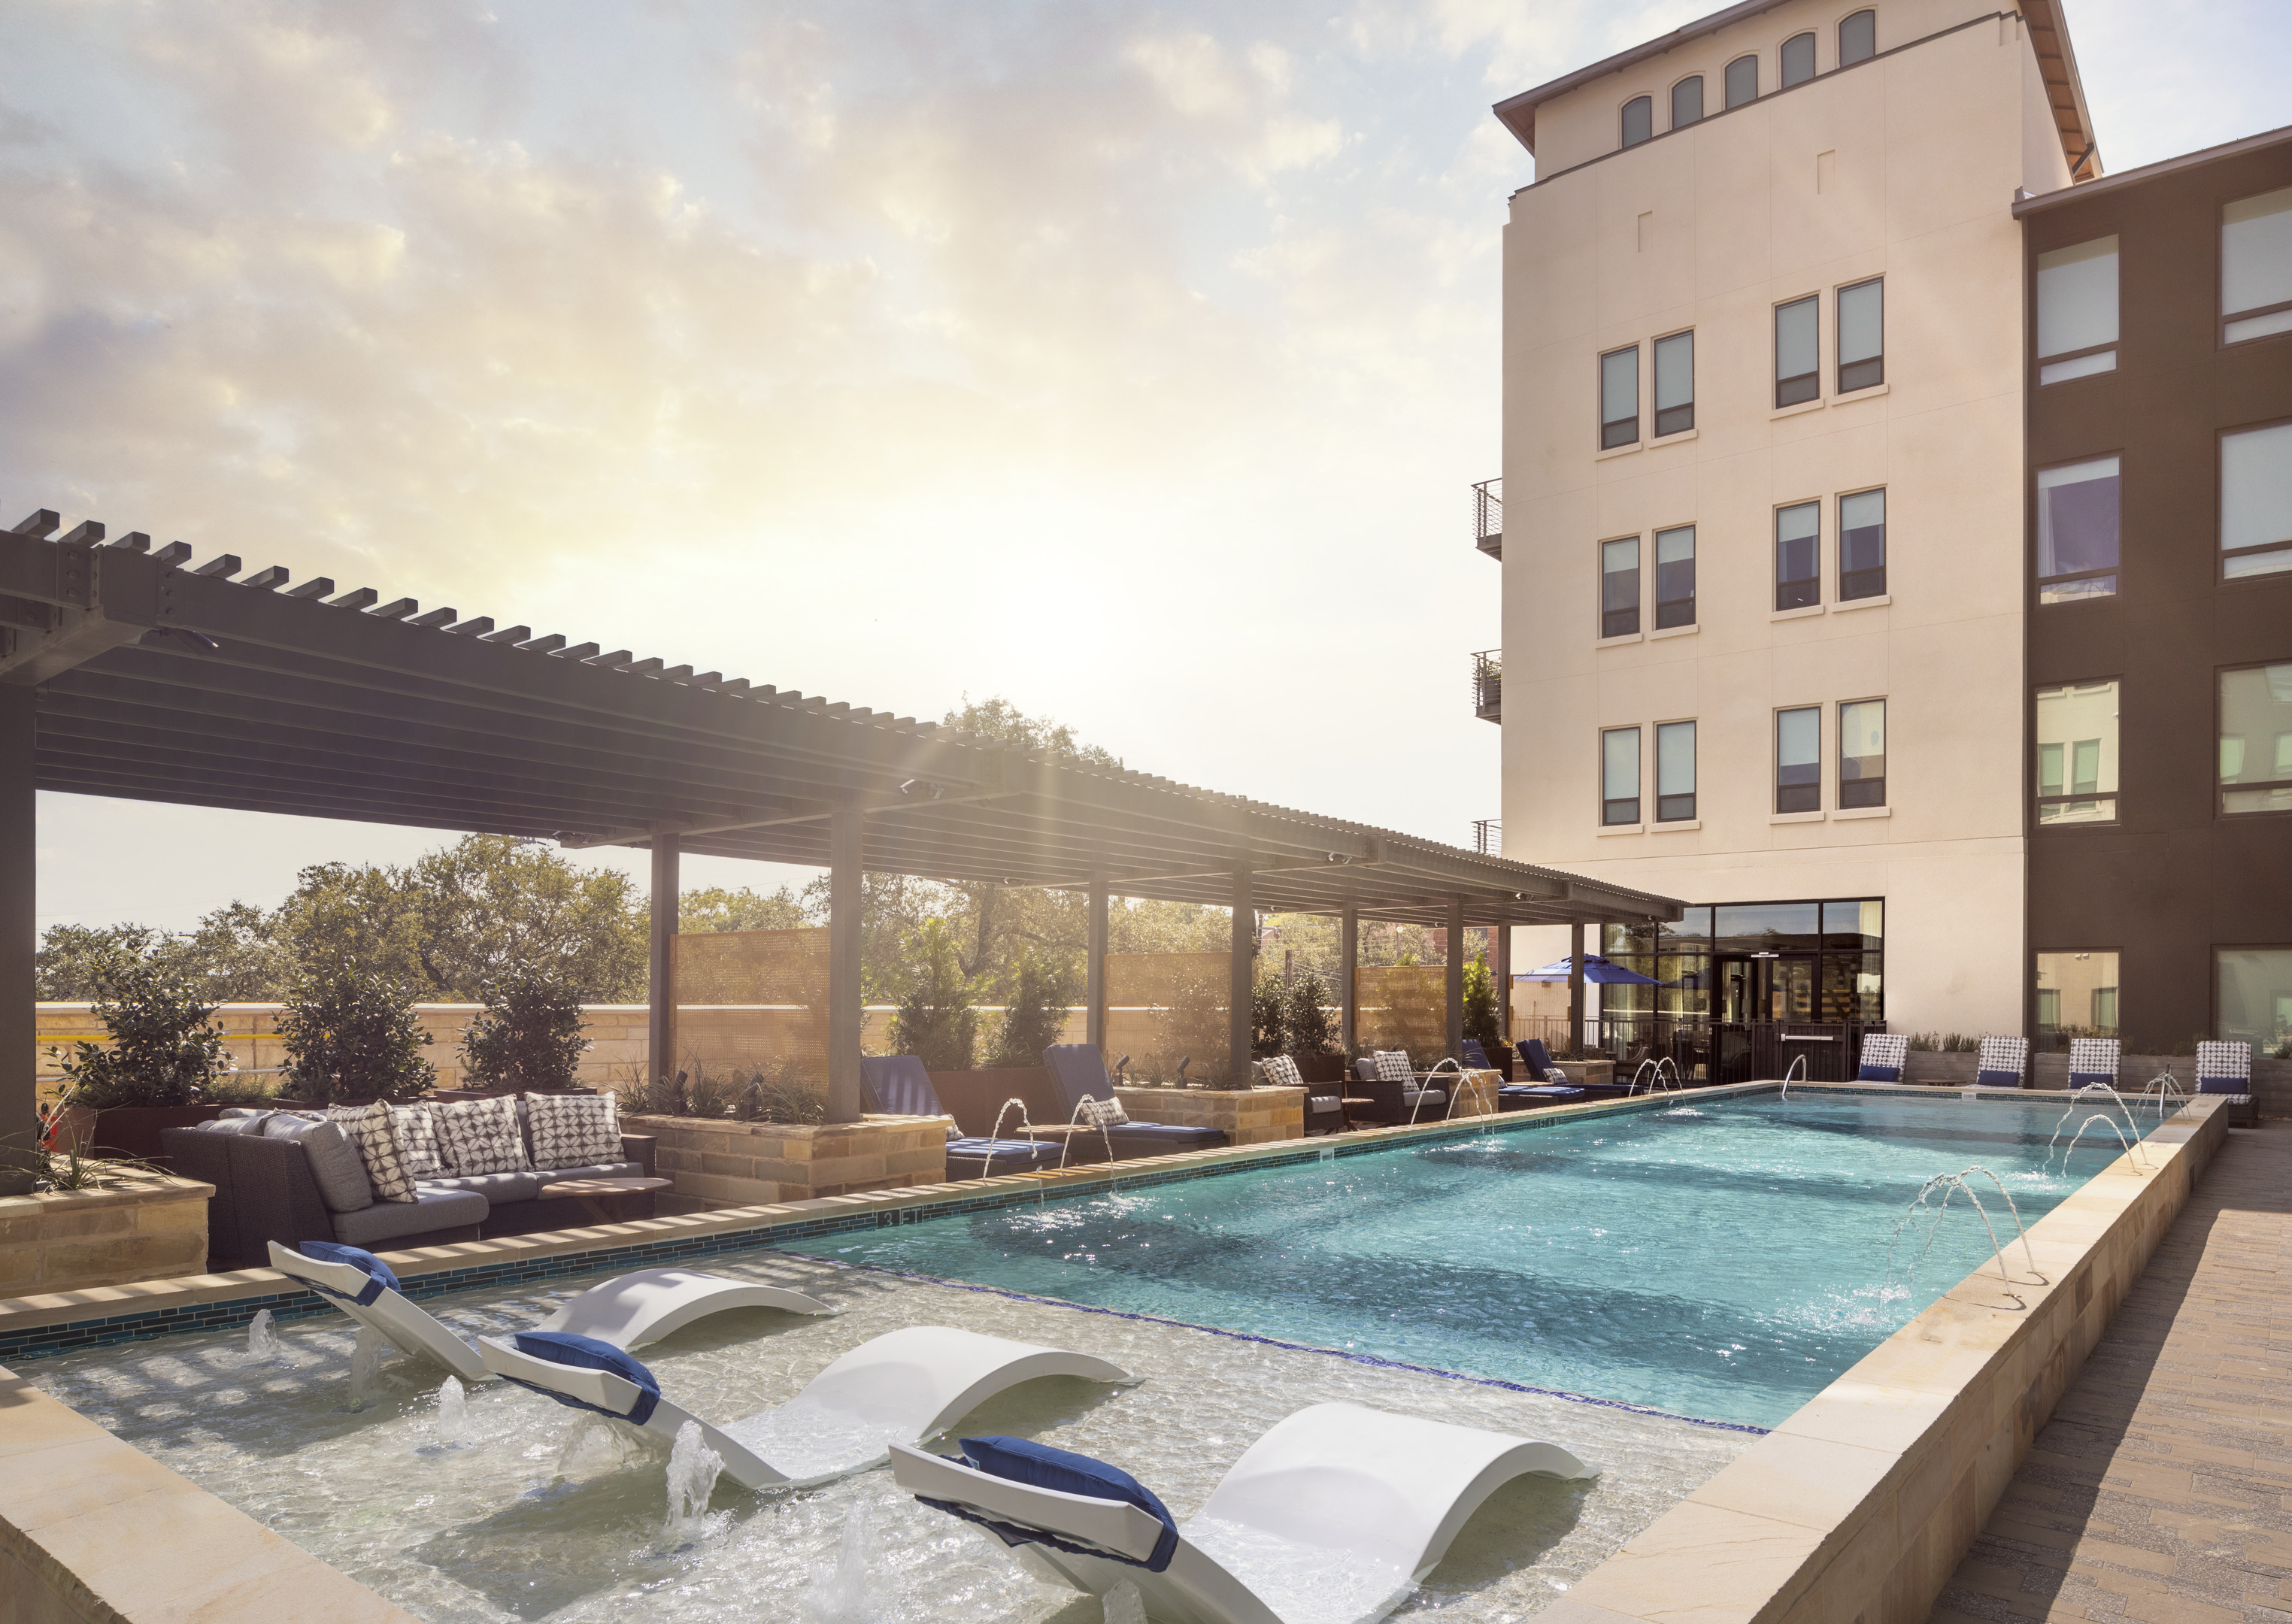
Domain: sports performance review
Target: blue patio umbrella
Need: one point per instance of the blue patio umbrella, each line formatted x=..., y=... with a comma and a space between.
x=1596, y=969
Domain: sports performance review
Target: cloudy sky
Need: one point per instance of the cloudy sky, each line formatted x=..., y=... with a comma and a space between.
x=1130, y=361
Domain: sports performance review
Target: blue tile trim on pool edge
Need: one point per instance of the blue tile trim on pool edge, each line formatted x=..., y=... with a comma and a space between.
x=46, y=1340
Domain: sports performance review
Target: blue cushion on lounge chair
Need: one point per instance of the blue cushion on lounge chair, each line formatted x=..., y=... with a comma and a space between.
x=1535, y=1057
x=1040, y=1466
x=1879, y=1073
x=1003, y=1155
x=1540, y=1091
x=1080, y=1072
x=2081, y=1080
x=379, y=1276
x=1997, y=1080
x=588, y=1354
x=899, y=1085
x=2223, y=1085
x=1476, y=1056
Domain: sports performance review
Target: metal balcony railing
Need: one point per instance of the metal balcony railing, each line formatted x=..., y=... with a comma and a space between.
x=1488, y=517
x=1488, y=685
x=1487, y=836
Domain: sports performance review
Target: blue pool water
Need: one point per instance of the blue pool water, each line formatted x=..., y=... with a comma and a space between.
x=1720, y=1258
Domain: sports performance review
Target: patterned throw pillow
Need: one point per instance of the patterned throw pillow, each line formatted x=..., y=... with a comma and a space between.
x=573, y=1129
x=1104, y=1113
x=417, y=1141
x=480, y=1136
x=369, y=1128
x=1282, y=1073
x=1393, y=1066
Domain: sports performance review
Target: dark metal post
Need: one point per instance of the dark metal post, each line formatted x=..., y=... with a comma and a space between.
x=1576, y=986
x=1244, y=981
x=1348, y=955
x=1454, y=989
x=1095, y=968
x=1500, y=968
x=20, y=1067
x=847, y=832
x=660, y=1025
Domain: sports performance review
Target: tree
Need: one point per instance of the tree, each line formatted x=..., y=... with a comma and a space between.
x=527, y=1036
x=1480, y=1021
x=716, y=908
x=936, y=1020
x=350, y=1034
x=75, y=963
x=1268, y=1019
x=1034, y=998
x=1307, y=1018
x=164, y=1050
x=366, y=915
x=238, y=954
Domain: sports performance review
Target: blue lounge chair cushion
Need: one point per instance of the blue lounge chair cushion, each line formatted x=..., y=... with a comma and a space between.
x=1540, y=1091
x=899, y=1084
x=1535, y=1057
x=2223, y=1085
x=1167, y=1137
x=588, y=1354
x=1040, y=1466
x=1997, y=1080
x=378, y=1275
x=1476, y=1056
x=1879, y=1073
x=2079, y=1080
x=1007, y=1155
x=1080, y=1072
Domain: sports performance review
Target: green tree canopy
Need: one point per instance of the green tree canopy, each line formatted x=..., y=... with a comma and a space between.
x=718, y=908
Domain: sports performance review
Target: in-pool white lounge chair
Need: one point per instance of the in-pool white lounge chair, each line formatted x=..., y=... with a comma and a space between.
x=901, y=1388
x=1334, y=1515
x=643, y=1307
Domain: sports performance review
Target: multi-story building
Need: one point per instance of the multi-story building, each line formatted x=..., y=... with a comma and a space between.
x=1782, y=632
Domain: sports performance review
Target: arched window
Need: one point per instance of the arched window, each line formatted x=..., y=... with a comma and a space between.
x=1687, y=101
x=1858, y=39
x=1639, y=120
x=1798, y=60
x=1742, y=80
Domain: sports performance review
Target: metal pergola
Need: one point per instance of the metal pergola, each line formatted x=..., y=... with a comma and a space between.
x=125, y=672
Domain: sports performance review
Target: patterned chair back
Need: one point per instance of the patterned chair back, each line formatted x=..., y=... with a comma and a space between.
x=2223, y=1068
x=1884, y=1052
x=1393, y=1066
x=2004, y=1062
x=2094, y=1060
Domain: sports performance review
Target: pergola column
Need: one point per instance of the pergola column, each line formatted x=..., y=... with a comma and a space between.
x=1454, y=991
x=660, y=1021
x=1576, y=986
x=847, y=830
x=19, y=1086
x=1500, y=967
x=1094, y=969
x=1348, y=999
x=1245, y=968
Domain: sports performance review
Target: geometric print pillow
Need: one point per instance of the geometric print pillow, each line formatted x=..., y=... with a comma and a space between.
x=1392, y=1065
x=369, y=1128
x=1282, y=1072
x=573, y=1129
x=480, y=1136
x=417, y=1141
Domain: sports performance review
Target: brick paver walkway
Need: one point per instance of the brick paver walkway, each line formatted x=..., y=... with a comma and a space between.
x=2162, y=1488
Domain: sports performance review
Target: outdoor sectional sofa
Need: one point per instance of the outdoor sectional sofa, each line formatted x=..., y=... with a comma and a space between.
x=266, y=1190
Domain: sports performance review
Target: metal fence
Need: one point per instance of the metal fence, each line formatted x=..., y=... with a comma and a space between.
x=1488, y=685
x=1714, y=1051
x=1488, y=517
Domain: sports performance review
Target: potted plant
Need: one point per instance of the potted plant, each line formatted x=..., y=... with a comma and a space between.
x=351, y=1037
x=528, y=1038
x=164, y=1059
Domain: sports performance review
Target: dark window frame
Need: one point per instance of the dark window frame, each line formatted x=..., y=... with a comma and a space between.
x=1678, y=807
x=2220, y=791
x=1871, y=12
x=1799, y=387
x=1798, y=796
x=1869, y=372
x=1624, y=139
x=1872, y=791
x=1612, y=618
x=1803, y=591
x=2040, y=583
x=1783, y=62
x=1697, y=116
x=1610, y=439
x=1677, y=609
x=2069, y=794
x=2228, y=318
x=1728, y=77
x=1619, y=811
x=2220, y=510
x=1856, y=585
x=1676, y=419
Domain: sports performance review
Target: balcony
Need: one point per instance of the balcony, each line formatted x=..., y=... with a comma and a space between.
x=1488, y=685
x=1488, y=517
x=1487, y=836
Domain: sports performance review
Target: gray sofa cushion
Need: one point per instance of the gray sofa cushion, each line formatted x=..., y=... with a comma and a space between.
x=249, y=1121
x=499, y=1189
x=334, y=1163
x=602, y=1169
x=428, y=1209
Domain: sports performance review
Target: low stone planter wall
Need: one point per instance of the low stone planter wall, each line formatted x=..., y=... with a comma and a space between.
x=721, y=1164
x=1588, y=1070
x=1247, y=1117
x=148, y=1228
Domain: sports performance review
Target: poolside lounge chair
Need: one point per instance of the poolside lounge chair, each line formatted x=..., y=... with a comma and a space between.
x=2094, y=1060
x=2004, y=1063
x=900, y=1387
x=1324, y=1102
x=899, y=1084
x=1537, y=1060
x=643, y=1307
x=1336, y=1513
x=2226, y=1068
x=1390, y=1084
x=1079, y=1072
x=1884, y=1054
x=1551, y=1086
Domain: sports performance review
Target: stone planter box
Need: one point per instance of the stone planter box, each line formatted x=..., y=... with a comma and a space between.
x=721, y=1164
x=1247, y=1117
x=141, y=1228
x=1588, y=1070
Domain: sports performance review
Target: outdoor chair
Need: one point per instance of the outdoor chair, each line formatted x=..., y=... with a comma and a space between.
x=2226, y=1069
x=899, y=1085
x=1884, y=1054
x=2004, y=1064
x=1324, y=1102
x=1534, y=1056
x=1338, y=1501
x=1387, y=1082
x=900, y=1387
x=2094, y=1060
x=1079, y=1072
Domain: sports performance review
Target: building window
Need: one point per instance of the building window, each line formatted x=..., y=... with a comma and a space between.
x=1742, y=80
x=1798, y=352
x=1675, y=772
x=1639, y=120
x=1798, y=759
x=2077, y=531
x=1749, y=961
x=1798, y=556
x=1861, y=545
x=2255, y=739
x=1620, y=587
x=2257, y=502
x=2076, y=753
x=1675, y=384
x=1674, y=577
x=2252, y=989
x=2256, y=267
x=1620, y=398
x=1798, y=60
x=1620, y=775
x=1687, y=101
x=1858, y=39
x=1862, y=753
x=2077, y=996
x=2077, y=310
x=1862, y=335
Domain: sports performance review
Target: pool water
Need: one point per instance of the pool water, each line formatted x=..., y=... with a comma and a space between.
x=1718, y=1259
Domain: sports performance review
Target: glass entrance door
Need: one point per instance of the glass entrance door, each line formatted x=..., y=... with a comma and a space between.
x=1766, y=988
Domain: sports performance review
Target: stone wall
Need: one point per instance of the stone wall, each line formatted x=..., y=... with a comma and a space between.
x=723, y=1164
x=1245, y=1116
x=148, y=1228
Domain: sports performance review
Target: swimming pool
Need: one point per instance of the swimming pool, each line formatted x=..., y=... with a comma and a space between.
x=1724, y=1258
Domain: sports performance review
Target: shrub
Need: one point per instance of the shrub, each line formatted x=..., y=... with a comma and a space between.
x=1034, y=1010
x=527, y=1035
x=1307, y=1020
x=1481, y=1021
x=1193, y=1027
x=936, y=1021
x=164, y=1049
x=1268, y=1019
x=351, y=1036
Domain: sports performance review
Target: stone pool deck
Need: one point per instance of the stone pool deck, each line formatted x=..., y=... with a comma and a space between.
x=2161, y=1488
